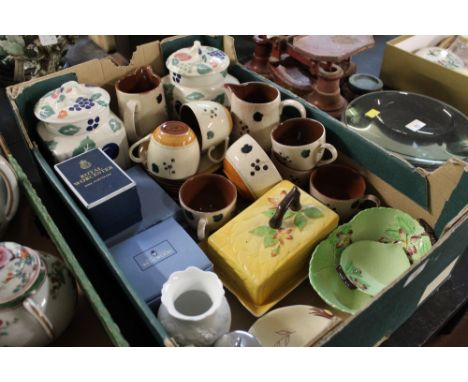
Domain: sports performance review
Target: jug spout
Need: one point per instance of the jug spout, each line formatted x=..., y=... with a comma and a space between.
x=253, y=92
x=232, y=89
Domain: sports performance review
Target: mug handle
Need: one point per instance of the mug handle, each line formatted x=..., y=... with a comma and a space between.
x=130, y=126
x=40, y=317
x=201, y=228
x=220, y=159
x=334, y=153
x=295, y=104
x=372, y=198
x=134, y=158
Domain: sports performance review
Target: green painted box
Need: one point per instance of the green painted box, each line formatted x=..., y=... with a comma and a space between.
x=438, y=197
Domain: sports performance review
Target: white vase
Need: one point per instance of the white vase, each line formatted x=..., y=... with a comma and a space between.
x=194, y=310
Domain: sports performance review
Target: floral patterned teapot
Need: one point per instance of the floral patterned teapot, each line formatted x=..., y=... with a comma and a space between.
x=37, y=296
x=196, y=73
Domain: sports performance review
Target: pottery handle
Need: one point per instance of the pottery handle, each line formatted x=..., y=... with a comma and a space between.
x=201, y=228
x=291, y=200
x=334, y=153
x=221, y=158
x=134, y=158
x=9, y=210
x=372, y=198
x=131, y=106
x=295, y=104
x=40, y=317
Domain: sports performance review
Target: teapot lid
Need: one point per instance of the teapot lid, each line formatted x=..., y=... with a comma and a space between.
x=72, y=102
x=20, y=268
x=197, y=60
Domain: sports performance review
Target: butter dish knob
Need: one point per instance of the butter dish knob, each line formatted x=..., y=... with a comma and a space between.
x=292, y=201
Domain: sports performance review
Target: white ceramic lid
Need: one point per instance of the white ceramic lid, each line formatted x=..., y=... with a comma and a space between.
x=72, y=102
x=197, y=60
x=19, y=269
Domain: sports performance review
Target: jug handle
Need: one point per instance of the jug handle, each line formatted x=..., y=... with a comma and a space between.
x=292, y=201
x=295, y=104
x=131, y=129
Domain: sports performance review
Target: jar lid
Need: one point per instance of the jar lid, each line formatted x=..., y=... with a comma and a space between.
x=20, y=268
x=197, y=60
x=72, y=102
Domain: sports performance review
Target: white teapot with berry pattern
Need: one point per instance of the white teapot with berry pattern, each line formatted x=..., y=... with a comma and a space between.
x=196, y=73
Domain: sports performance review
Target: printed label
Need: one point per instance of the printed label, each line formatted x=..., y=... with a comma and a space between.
x=372, y=113
x=154, y=255
x=48, y=40
x=415, y=125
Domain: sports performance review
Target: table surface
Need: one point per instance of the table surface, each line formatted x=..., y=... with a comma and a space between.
x=443, y=309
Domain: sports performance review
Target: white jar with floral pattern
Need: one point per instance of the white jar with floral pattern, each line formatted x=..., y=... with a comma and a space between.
x=196, y=73
x=37, y=296
x=76, y=118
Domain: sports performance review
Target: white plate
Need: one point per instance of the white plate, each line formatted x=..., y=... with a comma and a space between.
x=441, y=56
x=293, y=326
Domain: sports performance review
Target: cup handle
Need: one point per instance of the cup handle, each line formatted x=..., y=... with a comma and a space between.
x=374, y=199
x=40, y=317
x=221, y=158
x=9, y=210
x=201, y=228
x=131, y=106
x=132, y=148
x=334, y=153
x=295, y=104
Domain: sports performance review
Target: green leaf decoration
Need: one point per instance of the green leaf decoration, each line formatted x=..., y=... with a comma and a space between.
x=276, y=251
x=408, y=226
x=194, y=96
x=52, y=145
x=46, y=111
x=61, y=98
x=210, y=135
x=203, y=69
x=269, y=241
x=115, y=125
x=12, y=48
x=224, y=73
x=102, y=103
x=289, y=214
x=95, y=96
x=300, y=221
x=69, y=130
x=393, y=234
x=219, y=98
x=175, y=61
x=85, y=145
x=269, y=213
x=312, y=212
x=263, y=230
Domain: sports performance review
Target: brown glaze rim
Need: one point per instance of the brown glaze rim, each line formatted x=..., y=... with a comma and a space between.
x=340, y=177
x=247, y=92
x=195, y=184
x=130, y=82
x=311, y=129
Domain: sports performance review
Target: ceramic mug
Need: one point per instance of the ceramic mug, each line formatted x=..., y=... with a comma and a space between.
x=256, y=108
x=173, y=151
x=299, y=143
x=208, y=202
x=248, y=166
x=211, y=122
x=340, y=188
x=9, y=193
x=142, y=104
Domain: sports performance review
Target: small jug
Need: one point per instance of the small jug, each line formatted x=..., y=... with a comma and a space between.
x=193, y=307
x=256, y=109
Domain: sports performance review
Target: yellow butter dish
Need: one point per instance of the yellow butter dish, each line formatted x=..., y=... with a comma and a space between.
x=263, y=253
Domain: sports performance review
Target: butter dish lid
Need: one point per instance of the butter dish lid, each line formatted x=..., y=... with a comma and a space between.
x=72, y=102
x=198, y=60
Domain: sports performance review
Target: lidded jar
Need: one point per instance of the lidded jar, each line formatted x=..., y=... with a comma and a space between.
x=75, y=118
x=196, y=73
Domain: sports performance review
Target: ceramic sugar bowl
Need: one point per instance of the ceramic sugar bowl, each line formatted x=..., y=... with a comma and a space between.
x=196, y=73
x=76, y=118
x=37, y=296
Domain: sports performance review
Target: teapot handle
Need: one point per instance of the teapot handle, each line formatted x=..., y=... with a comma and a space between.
x=291, y=200
x=40, y=317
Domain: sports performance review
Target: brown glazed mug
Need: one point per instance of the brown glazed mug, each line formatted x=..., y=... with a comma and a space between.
x=208, y=201
x=341, y=188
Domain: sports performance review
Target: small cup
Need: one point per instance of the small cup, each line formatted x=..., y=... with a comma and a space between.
x=250, y=168
x=208, y=202
x=142, y=105
x=211, y=122
x=173, y=151
x=298, y=177
x=340, y=188
x=300, y=143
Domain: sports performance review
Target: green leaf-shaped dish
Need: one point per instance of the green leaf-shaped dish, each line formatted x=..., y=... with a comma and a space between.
x=387, y=225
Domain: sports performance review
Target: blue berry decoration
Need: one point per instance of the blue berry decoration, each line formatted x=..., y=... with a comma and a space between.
x=217, y=53
x=82, y=103
x=93, y=124
x=176, y=77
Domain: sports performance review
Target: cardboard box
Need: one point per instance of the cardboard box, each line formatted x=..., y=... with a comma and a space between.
x=403, y=70
x=438, y=197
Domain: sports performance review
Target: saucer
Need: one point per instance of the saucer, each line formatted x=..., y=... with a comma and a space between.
x=441, y=56
x=293, y=326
